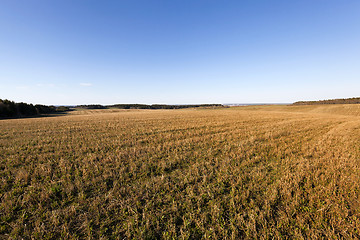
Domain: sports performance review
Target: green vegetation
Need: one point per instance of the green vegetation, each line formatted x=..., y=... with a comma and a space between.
x=330, y=101
x=145, y=106
x=92, y=106
x=10, y=109
x=257, y=172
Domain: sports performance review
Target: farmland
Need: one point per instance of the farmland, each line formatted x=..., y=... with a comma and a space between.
x=243, y=172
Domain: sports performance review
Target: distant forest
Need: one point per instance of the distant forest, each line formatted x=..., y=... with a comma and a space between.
x=330, y=101
x=145, y=106
x=11, y=109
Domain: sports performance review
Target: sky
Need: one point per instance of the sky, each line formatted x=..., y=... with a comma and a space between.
x=70, y=52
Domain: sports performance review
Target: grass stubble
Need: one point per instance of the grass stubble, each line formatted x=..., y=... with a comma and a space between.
x=247, y=172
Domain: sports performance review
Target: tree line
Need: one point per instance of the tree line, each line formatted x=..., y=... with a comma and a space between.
x=161, y=106
x=146, y=106
x=11, y=109
x=355, y=100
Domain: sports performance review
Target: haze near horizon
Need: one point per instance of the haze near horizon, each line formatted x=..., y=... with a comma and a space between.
x=178, y=52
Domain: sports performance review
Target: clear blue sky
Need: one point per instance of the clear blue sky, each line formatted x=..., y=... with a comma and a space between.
x=178, y=51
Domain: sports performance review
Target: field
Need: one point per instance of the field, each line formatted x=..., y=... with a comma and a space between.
x=254, y=172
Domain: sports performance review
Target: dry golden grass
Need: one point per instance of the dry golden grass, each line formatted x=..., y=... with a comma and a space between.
x=254, y=172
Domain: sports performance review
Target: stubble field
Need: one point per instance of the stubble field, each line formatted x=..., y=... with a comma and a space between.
x=254, y=172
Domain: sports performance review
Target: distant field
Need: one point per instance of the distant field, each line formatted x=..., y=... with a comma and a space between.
x=243, y=172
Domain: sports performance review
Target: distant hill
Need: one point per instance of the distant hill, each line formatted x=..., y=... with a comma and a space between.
x=330, y=101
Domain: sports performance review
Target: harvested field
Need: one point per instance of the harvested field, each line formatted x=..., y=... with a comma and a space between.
x=243, y=172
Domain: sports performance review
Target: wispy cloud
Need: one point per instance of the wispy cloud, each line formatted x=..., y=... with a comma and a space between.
x=22, y=87
x=86, y=84
x=45, y=85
